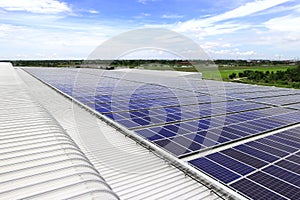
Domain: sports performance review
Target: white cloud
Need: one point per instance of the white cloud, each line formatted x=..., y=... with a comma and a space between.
x=208, y=25
x=145, y=1
x=204, y=30
x=142, y=15
x=63, y=43
x=226, y=45
x=289, y=23
x=231, y=53
x=7, y=30
x=146, y=14
x=222, y=49
x=210, y=45
x=142, y=1
x=245, y=53
x=35, y=6
x=281, y=31
x=55, y=38
x=278, y=9
x=262, y=35
x=93, y=11
x=247, y=9
x=172, y=16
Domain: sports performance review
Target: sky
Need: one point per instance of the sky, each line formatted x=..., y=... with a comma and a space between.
x=225, y=29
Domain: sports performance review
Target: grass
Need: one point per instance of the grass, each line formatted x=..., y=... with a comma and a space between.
x=226, y=71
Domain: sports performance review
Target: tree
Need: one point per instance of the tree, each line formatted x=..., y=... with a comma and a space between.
x=241, y=74
x=232, y=76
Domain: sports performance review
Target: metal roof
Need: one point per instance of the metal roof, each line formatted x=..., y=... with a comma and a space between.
x=38, y=159
x=131, y=170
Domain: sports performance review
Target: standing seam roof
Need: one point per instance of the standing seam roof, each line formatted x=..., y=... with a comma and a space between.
x=38, y=159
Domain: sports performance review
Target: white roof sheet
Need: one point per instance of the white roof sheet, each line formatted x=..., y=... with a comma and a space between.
x=38, y=160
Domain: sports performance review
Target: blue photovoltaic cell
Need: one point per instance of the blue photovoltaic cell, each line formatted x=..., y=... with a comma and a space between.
x=111, y=116
x=256, y=153
x=289, y=166
x=255, y=191
x=231, y=163
x=277, y=145
x=276, y=185
x=258, y=126
x=150, y=135
x=172, y=127
x=141, y=121
x=294, y=158
x=172, y=147
x=270, y=122
x=295, y=138
x=217, y=138
x=267, y=149
x=201, y=140
x=280, y=178
x=226, y=134
x=193, y=146
x=284, y=141
x=294, y=134
x=252, y=161
x=166, y=132
x=214, y=170
x=222, y=139
x=235, y=131
x=245, y=129
x=128, y=123
x=283, y=174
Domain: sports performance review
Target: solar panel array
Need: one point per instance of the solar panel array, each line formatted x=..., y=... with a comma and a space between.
x=185, y=119
x=177, y=119
x=295, y=106
x=267, y=168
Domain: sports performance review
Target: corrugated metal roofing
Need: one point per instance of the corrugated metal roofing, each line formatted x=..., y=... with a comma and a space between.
x=38, y=160
x=131, y=170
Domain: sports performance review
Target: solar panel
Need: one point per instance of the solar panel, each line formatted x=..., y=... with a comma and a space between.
x=285, y=189
x=255, y=191
x=192, y=120
x=283, y=174
x=221, y=173
x=231, y=163
x=269, y=165
x=295, y=106
x=187, y=119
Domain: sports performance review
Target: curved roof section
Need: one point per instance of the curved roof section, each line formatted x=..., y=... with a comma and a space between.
x=37, y=157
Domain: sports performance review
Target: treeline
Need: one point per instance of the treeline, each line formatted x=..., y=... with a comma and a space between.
x=179, y=63
x=46, y=63
x=91, y=63
x=254, y=62
x=290, y=77
x=136, y=63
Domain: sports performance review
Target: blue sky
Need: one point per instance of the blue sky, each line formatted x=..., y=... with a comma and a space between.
x=69, y=29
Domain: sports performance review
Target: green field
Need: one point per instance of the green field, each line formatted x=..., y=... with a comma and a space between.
x=226, y=71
